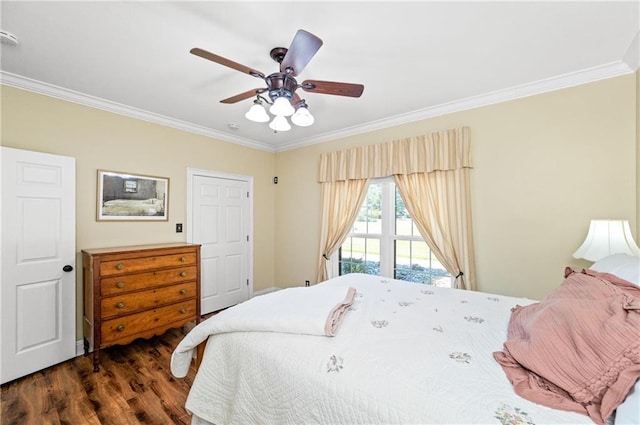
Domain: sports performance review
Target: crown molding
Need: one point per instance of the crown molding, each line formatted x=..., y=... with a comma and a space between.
x=632, y=56
x=614, y=69
x=51, y=90
x=597, y=73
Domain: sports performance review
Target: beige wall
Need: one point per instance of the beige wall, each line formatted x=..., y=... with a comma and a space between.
x=103, y=140
x=543, y=167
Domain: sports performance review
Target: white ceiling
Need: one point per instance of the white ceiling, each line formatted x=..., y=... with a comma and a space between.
x=415, y=59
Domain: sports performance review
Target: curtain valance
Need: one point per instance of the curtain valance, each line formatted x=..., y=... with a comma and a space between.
x=444, y=150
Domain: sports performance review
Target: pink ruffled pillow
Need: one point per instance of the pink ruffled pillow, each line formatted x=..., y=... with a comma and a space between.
x=578, y=349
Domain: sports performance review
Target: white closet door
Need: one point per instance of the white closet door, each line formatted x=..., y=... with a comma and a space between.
x=220, y=222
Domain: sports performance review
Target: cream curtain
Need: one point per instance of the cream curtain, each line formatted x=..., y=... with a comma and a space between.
x=445, y=150
x=438, y=202
x=341, y=202
x=432, y=174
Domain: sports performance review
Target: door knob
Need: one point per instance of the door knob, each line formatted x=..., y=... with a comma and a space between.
x=67, y=268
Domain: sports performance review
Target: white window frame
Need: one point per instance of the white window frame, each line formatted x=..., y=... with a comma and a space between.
x=387, y=237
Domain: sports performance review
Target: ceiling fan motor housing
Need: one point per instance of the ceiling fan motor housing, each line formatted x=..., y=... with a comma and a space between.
x=281, y=85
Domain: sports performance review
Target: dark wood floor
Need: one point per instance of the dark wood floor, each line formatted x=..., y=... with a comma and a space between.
x=134, y=386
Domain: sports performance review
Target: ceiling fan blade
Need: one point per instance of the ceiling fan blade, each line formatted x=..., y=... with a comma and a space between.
x=226, y=62
x=303, y=47
x=331, y=87
x=243, y=96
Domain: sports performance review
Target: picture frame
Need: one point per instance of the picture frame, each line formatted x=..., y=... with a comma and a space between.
x=132, y=197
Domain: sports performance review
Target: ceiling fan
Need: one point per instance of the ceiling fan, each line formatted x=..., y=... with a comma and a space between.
x=281, y=86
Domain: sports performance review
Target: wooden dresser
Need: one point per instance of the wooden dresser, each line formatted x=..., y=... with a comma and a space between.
x=137, y=292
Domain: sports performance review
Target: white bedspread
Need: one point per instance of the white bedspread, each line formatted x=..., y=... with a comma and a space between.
x=317, y=310
x=405, y=354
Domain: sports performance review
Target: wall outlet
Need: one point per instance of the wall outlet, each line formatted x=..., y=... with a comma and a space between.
x=306, y=283
x=178, y=227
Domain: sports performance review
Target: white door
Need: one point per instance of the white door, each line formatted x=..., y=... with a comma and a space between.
x=38, y=287
x=220, y=222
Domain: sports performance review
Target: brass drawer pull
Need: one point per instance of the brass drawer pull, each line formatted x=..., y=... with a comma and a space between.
x=120, y=328
x=120, y=285
x=183, y=259
x=183, y=274
x=183, y=291
x=120, y=266
x=120, y=305
x=183, y=310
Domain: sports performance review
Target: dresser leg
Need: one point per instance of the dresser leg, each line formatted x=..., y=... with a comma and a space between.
x=86, y=347
x=96, y=359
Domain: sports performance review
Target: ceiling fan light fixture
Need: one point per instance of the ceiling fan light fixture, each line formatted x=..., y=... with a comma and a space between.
x=282, y=106
x=281, y=85
x=257, y=113
x=302, y=117
x=280, y=123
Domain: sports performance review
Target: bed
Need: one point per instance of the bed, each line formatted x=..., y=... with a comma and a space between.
x=400, y=353
x=133, y=207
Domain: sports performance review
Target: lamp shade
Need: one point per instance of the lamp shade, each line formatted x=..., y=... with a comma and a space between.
x=280, y=123
x=302, y=117
x=607, y=237
x=257, y=113
x=282, y=106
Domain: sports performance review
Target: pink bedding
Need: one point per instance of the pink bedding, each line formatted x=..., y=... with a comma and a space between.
x=578, y=349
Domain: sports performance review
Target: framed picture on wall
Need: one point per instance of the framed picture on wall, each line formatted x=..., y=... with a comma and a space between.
x=132, y=197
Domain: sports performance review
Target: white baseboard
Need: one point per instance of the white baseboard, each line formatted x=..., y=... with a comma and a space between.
x=80, y=348
x=266, y=291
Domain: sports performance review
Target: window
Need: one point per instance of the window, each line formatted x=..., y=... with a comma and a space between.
x=385, y=241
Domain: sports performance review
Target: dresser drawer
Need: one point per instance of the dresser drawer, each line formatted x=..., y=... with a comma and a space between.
x=138, y=291
x=133, y=282
x=126, y=326
x=131, y=265
x=142, y=300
